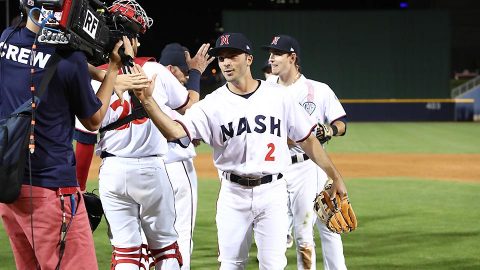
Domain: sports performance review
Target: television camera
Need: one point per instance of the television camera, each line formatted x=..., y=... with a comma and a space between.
x=89, y=25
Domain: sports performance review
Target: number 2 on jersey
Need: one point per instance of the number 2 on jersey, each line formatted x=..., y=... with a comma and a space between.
x=269, y=156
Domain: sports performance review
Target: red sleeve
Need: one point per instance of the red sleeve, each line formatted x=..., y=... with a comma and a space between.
x=83, y=155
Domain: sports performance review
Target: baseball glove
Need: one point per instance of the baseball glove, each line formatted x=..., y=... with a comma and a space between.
x=94, y=209
x=337, y=213
x=323, y=133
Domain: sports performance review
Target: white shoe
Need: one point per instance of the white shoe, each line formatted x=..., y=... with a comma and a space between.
x=289, y=241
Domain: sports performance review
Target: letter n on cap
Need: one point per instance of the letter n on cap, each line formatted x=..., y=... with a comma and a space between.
x=224, y=40
x=275, y=40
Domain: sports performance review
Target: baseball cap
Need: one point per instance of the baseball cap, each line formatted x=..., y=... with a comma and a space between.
x=232, y=41
x=174, y=54
x=284, y=43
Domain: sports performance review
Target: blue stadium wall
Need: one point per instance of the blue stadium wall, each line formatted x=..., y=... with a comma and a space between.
x=362, y=55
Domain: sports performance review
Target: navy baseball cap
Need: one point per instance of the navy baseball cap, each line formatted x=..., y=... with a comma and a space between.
x=284, y=43
x=232, y=41
x=174, y=54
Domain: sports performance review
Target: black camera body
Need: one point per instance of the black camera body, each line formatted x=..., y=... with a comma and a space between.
x=84, y=25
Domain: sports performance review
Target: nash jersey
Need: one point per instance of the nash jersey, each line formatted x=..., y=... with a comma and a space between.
x=140, y=137
x=318, y=100
x=249, y=135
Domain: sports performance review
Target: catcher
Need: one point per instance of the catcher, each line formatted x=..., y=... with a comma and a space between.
x=335, y=211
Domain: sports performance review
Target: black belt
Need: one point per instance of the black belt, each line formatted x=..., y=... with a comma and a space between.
x=299, y=158
x=248, y=182
x=105, y=154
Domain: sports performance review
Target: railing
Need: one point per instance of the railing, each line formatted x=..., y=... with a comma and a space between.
x=457, y=91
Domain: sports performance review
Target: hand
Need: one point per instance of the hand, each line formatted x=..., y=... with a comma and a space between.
x=127, y=45
x=339, y=188
x=115, y=58
x=145, y=93
x=323, y=133
x=201, y=60
x=125, y=82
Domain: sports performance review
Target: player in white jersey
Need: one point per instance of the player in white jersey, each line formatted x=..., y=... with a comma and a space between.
x=179, y=160
x=323, y=107
x=247, y=122
x=86, y=140
x=134, y=187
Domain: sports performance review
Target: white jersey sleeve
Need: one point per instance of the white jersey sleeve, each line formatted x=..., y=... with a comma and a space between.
x=140, y=137
x=175, y=94
x=248, y=135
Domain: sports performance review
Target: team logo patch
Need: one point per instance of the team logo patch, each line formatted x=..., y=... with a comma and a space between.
x=309, y=107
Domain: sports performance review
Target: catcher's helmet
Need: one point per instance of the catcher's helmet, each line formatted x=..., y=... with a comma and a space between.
x=133, y=12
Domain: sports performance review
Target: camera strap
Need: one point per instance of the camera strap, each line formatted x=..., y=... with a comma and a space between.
x=138, y=112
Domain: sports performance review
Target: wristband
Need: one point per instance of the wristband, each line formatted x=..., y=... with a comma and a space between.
x=334, y=130
x=193, y=82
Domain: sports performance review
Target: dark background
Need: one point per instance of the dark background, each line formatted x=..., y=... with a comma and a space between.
x=194, y=22
x=444, y=43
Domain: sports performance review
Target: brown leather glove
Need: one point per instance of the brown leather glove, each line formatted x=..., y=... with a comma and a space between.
x=336, y=213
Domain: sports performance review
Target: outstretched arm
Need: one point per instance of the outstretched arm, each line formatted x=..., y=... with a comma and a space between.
x=196, y=67
x=317, y=154
x=106, y=89
x=170, y=129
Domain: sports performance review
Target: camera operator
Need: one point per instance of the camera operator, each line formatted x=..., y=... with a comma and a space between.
x=47, y=225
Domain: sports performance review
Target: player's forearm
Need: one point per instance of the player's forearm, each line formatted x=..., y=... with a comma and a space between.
x=170, y=129
x=317, y=154
x=104, y=93
x=96, y=73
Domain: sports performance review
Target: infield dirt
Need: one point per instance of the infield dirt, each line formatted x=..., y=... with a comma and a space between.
x=450, y=167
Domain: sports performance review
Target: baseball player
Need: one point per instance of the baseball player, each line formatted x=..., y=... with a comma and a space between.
x=320, y=102
x=247, y=122
x=86, y=141
x=134, y=187
x=179, y=160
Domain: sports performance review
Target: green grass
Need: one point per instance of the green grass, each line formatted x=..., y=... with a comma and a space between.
x=415, y=137
x=403, y=223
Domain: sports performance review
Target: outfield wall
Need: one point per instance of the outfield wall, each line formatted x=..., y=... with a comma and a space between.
x=409, y=109
x=378, y=54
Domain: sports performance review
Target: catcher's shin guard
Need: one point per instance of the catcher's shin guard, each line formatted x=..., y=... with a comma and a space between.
x=132, y=255
x=168, y=252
